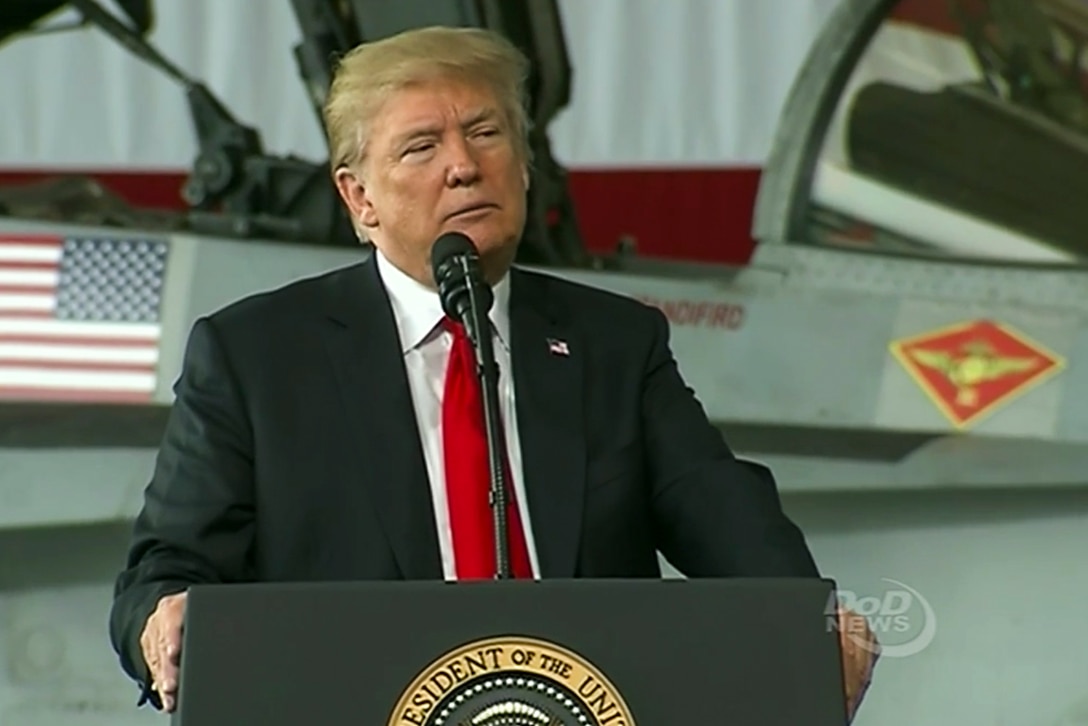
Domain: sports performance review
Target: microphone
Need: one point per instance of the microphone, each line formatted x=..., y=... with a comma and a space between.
x=455, y=264
x=467, y=298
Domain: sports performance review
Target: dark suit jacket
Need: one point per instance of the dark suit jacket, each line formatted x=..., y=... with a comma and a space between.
x=291, y=452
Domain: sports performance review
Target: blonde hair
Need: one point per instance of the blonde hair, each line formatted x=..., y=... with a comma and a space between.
x=368, y=74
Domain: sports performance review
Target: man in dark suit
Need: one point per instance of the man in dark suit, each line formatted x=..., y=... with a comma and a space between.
x=331, y=429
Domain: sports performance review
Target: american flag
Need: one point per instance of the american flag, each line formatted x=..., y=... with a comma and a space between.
x=558, y=347
x=80, y=317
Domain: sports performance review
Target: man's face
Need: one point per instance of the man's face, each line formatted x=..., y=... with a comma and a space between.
x=441, y=157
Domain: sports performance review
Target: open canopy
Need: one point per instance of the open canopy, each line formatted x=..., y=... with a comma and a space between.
x=938, y=127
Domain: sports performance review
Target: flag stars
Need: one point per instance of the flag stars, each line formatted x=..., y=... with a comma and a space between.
x=108, y=280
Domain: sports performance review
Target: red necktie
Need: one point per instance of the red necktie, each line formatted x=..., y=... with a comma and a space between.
x=468, y=478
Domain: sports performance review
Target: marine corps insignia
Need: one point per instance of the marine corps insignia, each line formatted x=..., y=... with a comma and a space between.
x=968, y=370
x=511, y=681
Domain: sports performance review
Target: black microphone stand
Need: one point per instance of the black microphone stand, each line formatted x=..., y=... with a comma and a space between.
x=478, y=327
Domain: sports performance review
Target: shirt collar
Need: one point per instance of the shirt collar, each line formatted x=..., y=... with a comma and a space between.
x=418, y=311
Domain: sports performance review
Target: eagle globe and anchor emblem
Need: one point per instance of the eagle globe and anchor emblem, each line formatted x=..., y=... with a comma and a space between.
x=970, y=369
x=511, y=681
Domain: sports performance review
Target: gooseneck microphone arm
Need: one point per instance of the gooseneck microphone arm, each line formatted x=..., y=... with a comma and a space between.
x=468, y=298
x=478, y=325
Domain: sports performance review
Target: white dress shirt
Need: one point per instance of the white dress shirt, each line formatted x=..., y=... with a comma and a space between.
x=426, y=348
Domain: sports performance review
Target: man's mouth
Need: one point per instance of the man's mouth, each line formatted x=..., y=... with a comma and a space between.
x=472, y=209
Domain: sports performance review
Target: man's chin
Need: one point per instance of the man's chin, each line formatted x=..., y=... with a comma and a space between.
x=481, y=230
x=497, y=247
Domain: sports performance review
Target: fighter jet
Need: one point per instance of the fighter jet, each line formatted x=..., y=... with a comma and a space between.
x=914, y=306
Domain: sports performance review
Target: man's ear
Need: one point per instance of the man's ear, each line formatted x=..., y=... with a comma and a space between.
x=353, y=192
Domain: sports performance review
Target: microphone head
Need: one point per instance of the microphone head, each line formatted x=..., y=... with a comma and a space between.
x=449, y=246
x=455, y=265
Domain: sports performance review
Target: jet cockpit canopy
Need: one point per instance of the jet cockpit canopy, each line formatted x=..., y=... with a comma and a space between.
x=947, y=128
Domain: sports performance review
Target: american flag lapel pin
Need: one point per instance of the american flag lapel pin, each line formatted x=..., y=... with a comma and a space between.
x=558, y=347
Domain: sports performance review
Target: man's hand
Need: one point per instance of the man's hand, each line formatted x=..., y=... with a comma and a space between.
x=161, y=645
x=860, y=651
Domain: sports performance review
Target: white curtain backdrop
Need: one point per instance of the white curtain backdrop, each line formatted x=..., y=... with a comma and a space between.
x=657, y=83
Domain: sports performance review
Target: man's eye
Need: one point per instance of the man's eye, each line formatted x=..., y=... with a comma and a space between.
x=418, y=148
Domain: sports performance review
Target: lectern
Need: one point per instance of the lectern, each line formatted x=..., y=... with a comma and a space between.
x=757, y=652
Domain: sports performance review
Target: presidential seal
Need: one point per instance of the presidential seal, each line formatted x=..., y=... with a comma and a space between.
x=511, y=681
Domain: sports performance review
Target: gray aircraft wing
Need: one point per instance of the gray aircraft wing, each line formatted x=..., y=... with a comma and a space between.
x=912, y=317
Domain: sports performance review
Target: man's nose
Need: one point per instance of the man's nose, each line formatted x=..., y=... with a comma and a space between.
x=463, y=168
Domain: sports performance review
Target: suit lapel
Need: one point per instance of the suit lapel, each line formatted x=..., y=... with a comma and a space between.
x=363, y=343
x=548, y=390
